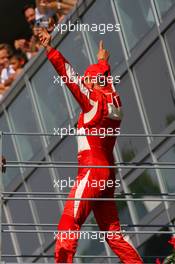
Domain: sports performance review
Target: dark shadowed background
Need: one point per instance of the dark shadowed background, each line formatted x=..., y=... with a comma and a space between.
x=12, y=22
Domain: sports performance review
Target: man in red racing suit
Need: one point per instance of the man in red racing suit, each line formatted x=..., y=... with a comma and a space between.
x=101, y=109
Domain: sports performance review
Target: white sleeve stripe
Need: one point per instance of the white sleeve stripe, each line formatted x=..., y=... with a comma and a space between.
x=71, y=73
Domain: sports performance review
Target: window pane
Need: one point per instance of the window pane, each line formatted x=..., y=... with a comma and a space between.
x=146, y=183
x=66, y=151
x=50, y=251
x=123, y=210
x=48, y=211
x=137, y=19
x=7, y=246
x=170, y=36
x=75, y=53
x=23, y=118
x=50, y=97
x=95, y=15
x=76, y=50
x=164, y=6
x=156, y=88
x=92, y=246
x=131, y=122
x=168, y=174
x=21, y=213
x=9, y=152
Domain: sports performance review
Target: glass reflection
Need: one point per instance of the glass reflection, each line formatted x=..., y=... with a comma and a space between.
x=50, y=98
x=168, y=174
x=156, y=88
x=131, y=122
x=146, y=183
x=137, y=19
x=9, y=153
x=23, y=119
x=111, y=38
x=76, y=50
x=164, y=6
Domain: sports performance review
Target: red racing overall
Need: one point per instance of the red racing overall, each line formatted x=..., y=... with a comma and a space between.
x=100, y=111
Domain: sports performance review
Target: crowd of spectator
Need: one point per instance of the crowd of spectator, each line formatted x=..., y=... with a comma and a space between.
x=46, y=13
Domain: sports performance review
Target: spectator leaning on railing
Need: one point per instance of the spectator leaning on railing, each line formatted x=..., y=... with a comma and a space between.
x=29, y=14
x=10, y=66
x=46, y=14
x=17, y=61
x=2, y=87
x=35, y=17
x=29, y=47
x=6, y=68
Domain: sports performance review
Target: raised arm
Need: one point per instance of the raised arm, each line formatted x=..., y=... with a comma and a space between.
x=66, y=72
x=103, y=56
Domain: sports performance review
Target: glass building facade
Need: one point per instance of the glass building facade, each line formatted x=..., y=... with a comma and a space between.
x=143, y=55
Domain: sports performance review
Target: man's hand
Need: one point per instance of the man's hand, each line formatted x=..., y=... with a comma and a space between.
x=44, y=38
x=102, y=53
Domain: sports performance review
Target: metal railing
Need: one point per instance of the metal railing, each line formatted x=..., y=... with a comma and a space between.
x=42, y=196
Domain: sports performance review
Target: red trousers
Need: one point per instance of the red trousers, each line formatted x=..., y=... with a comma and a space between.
x=88, y=185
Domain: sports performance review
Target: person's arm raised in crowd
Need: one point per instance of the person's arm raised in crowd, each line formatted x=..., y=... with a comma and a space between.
x=63, y=6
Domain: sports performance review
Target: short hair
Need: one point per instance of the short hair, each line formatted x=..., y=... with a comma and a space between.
x=19, y=55
x=6, y=47
x=27, y=7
